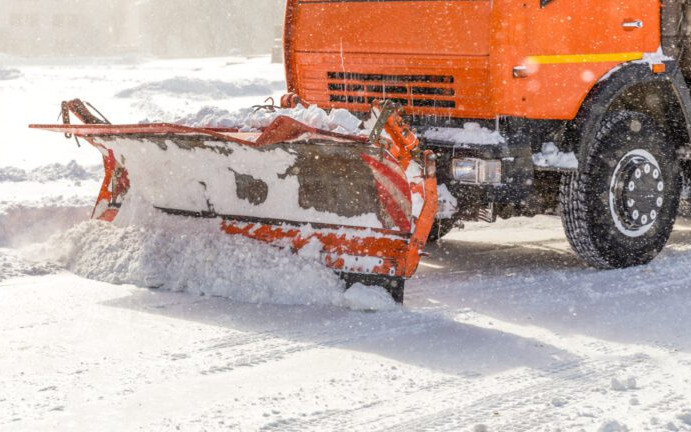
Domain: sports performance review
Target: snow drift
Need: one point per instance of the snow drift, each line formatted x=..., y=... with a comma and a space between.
x=191, y=255
x=37, y=203
x=52, y=172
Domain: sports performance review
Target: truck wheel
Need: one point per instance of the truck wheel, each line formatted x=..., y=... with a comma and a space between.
x=619, y=208
x=440, y=228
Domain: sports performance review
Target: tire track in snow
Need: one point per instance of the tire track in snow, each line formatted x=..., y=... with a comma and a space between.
x=533, y=399
x=246, y=350
x=409, y=409
x=529, y=406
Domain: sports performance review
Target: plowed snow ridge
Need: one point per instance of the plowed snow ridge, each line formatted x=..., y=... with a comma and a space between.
x=195, y=256
x=198, y=259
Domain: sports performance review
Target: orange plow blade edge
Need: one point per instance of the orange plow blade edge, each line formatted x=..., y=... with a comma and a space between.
x=364, y=204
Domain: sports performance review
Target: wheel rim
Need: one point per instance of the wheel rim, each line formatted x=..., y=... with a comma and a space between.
x=636, y=193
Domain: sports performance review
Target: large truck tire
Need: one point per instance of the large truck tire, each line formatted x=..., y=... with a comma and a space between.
x=619, y=208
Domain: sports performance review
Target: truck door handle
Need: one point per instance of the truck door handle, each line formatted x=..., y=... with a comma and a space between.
x=633, y=24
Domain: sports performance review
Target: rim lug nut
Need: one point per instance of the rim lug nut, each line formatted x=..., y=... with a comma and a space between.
x=636, y=199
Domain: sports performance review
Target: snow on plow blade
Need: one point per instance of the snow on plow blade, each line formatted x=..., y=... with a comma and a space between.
x=364, y=205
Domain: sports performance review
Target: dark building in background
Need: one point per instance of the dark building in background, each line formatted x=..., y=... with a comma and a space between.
x=162, y=28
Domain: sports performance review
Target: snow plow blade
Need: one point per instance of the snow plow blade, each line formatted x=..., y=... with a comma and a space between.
x=363, y=205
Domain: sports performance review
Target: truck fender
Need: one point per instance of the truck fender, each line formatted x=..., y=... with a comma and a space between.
x=620, y=84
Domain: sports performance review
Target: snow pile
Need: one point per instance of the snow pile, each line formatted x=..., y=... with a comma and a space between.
x=206, y=89
x=471, y=133
x=248, y=119
x=71, y=171
x=12, y=174
x=192, y=256
x=9, y=74
x=53, y=172
x=551, y=157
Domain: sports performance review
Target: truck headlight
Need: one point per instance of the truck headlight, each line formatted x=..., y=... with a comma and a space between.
x=476, y=171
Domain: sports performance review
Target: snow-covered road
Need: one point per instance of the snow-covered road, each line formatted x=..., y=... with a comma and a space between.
x=503, y=329
x=513, y=336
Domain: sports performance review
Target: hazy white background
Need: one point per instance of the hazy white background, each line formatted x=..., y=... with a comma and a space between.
x=162, y=28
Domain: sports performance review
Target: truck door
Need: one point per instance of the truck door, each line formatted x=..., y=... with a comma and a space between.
x=570, y=45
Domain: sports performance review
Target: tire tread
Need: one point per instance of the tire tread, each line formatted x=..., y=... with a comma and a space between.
x=573, y=195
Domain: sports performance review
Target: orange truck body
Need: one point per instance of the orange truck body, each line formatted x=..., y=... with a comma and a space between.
x=524, y=102
x=457, y=58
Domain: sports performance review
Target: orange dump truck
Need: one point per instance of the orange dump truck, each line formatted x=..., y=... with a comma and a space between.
x=579, y=108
